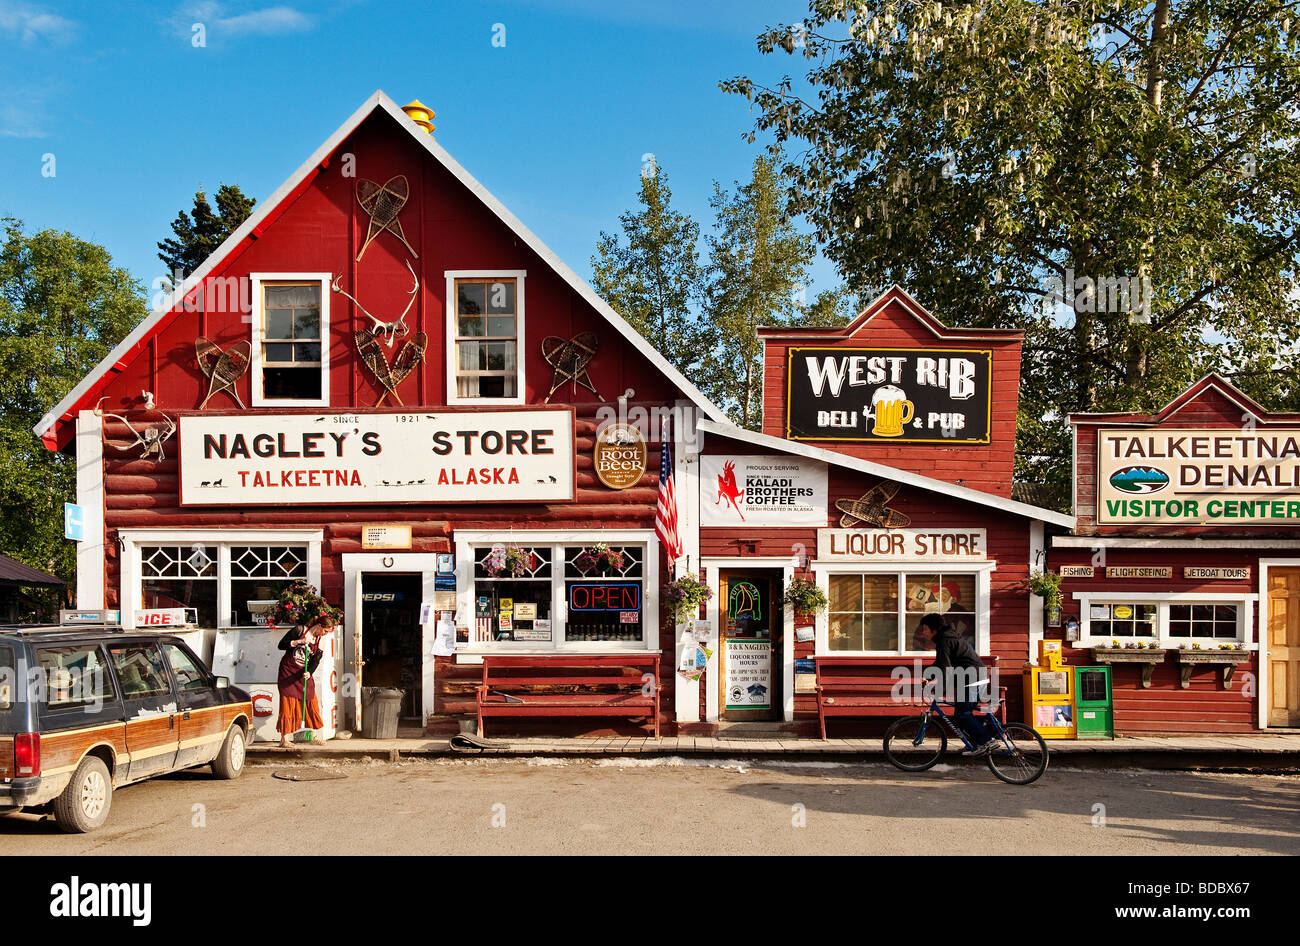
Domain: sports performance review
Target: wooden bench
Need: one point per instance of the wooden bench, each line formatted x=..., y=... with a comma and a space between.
x=548, y=686
x=865, y=686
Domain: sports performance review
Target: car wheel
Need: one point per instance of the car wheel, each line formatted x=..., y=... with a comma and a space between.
x=84, y=804
x=229, y=762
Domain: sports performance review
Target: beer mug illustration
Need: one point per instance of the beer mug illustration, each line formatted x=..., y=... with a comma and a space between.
x=890, y=409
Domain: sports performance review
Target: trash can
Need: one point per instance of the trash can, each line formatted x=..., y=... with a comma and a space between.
x=380, y=707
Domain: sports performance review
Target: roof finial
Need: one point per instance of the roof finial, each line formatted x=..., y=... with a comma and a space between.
x=420, y=113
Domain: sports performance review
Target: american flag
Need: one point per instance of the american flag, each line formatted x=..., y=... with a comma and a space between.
x=666, y=516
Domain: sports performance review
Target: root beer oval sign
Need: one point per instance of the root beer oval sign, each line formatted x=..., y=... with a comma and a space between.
x=620, y=456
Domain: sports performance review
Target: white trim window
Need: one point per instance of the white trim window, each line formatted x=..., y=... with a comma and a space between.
x=558, y=599
x=1171, y=621
x=875, y=610
x=290, y=339
x=485, y=333
x=228, y=577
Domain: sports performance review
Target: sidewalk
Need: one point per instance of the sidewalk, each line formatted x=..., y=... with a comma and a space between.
x=1248, y=751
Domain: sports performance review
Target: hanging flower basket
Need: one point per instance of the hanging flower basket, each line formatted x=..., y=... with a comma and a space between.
x=684, y=596
x=509, y=561
x=600, y=558
x=805, y=597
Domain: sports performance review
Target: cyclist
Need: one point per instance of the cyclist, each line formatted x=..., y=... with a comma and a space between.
x=952, y=651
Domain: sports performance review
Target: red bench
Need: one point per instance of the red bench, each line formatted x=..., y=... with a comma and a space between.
x=526, y=686
x=865, y=686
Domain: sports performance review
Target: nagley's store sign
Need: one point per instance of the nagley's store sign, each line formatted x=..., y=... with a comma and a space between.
x=484, y=456
x=1198, y=477
x=888, y=394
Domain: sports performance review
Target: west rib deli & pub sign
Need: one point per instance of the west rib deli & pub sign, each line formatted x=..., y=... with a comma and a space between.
x=903, y=395
x=1198, y=476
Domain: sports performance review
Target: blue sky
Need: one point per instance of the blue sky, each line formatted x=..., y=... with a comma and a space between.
x=555, y=122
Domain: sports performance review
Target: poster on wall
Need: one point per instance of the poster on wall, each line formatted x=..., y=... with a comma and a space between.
x=762, y=491
x=749, y=675
x=331, y=458
x=903, y=395
x=1200, y=476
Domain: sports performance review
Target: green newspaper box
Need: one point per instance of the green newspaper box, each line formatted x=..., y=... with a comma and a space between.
x=1094, y=713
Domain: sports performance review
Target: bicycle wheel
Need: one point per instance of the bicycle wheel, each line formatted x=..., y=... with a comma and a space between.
x=1025, y=761
x=908, y=749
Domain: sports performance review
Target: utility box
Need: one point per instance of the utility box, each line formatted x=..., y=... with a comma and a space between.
x=1049, y=693
x=1094, y=703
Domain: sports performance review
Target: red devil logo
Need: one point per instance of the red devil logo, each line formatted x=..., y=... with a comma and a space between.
x=727, y=489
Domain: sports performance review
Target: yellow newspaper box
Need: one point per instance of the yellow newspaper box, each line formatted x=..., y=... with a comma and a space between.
x=1049, y=693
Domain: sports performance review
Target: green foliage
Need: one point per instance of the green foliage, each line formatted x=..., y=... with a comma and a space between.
x=984, y=155
x=63, y=306
x=805, y=597
x=1047, y=585
x=683, y=597
x=652, y=275
x=300, y=603
x=198, y=233
x=758, y=264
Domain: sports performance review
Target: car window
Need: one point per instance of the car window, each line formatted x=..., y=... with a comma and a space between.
x=140, y=668
x=72, y=675
x=8, y=678
x=189, y=675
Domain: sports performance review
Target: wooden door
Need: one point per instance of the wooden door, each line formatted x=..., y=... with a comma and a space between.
x=1283, y=646
x=749, y=643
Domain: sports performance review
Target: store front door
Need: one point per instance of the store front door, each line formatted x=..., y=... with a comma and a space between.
x=390, y=636
x=749, y=642
x=1284, y=646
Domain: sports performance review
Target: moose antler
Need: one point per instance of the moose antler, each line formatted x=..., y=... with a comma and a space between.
x=151, y=439
x=389, y=330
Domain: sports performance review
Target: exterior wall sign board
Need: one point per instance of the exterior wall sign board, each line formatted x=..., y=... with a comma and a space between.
x=1076, y=571
x=386, y=537
x=1215, y=477
x=762, y=491
x=1140, y=571
x=913, y=545
x=883, y=395
x=1240, y=574
x=485, y=456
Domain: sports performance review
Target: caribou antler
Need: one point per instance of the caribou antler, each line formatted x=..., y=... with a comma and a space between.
x=389, y=330
x=151, y=439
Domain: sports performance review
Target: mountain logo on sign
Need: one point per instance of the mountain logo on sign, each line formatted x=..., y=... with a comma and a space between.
x=1139, y=479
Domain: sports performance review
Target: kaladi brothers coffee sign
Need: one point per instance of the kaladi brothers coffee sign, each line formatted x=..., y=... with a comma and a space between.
x=1198, y=476
x=888, y=394
x=485, y=456
x=762, y=491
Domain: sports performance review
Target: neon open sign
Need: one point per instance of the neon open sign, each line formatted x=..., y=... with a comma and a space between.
x=617, y=596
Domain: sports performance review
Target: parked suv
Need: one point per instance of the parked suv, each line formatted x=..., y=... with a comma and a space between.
x=85, y=710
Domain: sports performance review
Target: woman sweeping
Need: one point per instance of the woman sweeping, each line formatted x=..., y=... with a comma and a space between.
x=298, y=706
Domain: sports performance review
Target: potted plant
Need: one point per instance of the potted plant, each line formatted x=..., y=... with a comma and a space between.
x=1048, y=587
x=683, y=597
x=805, y=597
x=301, y=606
x=509, y=561
x=600, y=558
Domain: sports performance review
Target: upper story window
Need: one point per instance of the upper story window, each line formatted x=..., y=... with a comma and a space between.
x=290, y=340
x=485, y=330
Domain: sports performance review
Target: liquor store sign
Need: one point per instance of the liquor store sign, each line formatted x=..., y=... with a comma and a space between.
x=888, y=394
x=1201, y=476
x=296, y=459
x=902, y=545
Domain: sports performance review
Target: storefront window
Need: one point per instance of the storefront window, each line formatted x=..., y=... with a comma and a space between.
x=866, y=613
x=513, y=607
x=605, y=601
x=180, y=576
x=258, y=573
x=1123, y=619
x=1203, y=620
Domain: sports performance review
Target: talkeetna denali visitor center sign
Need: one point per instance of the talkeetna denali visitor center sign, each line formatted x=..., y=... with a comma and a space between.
x=1200, y=476
x=888, y=394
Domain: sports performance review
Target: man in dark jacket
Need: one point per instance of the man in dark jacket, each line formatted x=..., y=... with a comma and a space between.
x=964, y=676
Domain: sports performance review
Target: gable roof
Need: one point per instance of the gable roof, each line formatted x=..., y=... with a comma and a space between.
x=1209, y=382
x=87, y=390
x=888, y=472
x=894, y=293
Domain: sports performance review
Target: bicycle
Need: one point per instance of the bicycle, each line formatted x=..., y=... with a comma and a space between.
x=914, y=745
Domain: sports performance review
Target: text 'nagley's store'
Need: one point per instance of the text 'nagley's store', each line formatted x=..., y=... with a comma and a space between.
x=425, y=413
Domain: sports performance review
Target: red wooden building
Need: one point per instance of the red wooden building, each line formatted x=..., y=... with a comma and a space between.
x=1184, y=570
